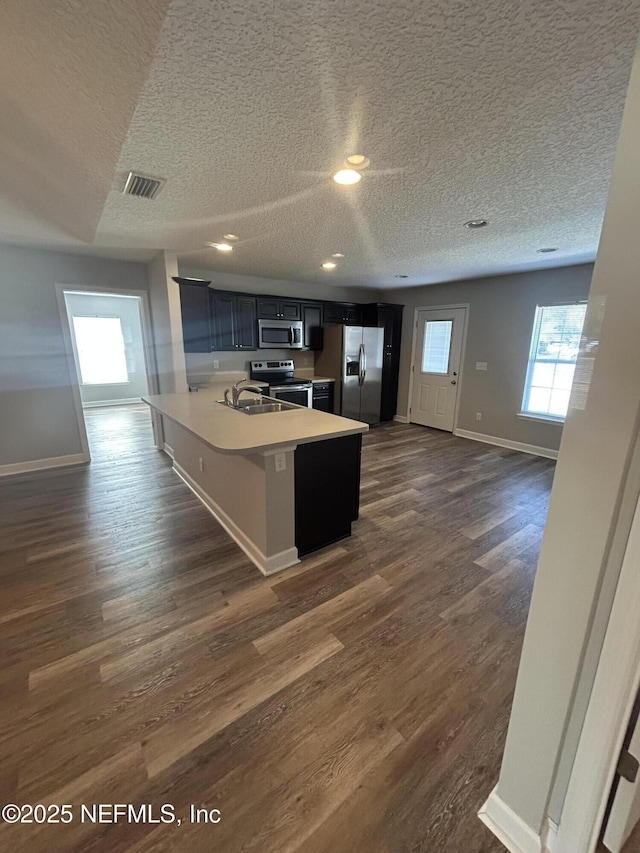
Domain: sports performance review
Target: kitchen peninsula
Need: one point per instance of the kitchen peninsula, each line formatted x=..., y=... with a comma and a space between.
x=282, y=484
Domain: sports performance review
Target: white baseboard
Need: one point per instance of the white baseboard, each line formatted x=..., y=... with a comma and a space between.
x=168, y=450
x=516, y=835
x=505, y=442
x=401, y=419
x=267, y=565
x=99, y=404
x=44, y=464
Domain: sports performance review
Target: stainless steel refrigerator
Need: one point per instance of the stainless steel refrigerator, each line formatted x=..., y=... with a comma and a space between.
x=352, y=355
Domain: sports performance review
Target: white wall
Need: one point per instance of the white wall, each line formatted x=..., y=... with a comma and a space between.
x=127, y=309
x=500, y=324
x=37, y=415
x=585, y=533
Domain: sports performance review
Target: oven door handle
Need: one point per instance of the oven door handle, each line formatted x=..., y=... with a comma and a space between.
x=291, y=335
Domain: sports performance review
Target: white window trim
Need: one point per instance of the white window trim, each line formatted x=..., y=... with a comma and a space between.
x=541, y=417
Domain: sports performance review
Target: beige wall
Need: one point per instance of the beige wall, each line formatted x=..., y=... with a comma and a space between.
x=37, y=415
x=500, y=323
x=276, y=287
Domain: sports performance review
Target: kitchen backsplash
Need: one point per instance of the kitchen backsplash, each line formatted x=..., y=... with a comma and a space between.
x=200, y=365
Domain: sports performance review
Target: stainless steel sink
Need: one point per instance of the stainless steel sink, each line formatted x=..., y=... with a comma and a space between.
x=255, y=406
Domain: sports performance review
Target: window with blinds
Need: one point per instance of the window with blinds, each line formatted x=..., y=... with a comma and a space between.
x=436, y=346
x=552, y=359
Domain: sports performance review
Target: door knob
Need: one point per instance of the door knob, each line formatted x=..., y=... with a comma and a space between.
x=453, y=381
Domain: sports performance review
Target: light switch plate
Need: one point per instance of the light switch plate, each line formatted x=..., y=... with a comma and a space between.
x=481, y=365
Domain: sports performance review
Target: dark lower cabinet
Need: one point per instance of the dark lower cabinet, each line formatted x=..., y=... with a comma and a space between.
x=327, y=491
x=323, y=396
x=233, y=321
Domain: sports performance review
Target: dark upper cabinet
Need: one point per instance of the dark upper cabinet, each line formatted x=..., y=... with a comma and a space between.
x=349, y=313
x=312, y=337
x=389, y=317
x=246, y=323
x=278, y=309
x=233, y=321
x=194, y=306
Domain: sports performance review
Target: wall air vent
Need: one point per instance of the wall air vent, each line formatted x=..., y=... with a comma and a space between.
x=142, y=185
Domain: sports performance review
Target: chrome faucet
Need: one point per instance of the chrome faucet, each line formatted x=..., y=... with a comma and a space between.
x=236, y=390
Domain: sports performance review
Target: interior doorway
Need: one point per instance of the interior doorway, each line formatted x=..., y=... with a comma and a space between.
x=108, y=348
x=436, y=367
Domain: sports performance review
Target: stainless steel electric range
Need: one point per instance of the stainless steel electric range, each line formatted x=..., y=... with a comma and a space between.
x=282, y=383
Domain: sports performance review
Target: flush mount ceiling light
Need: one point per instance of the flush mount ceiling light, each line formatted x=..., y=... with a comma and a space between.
x=337, y=255
x=358, y=161
x=476, y=223
x=329, y=265
x=547, y=250
x=231, y=237
x=347, y=176
x=221, y=247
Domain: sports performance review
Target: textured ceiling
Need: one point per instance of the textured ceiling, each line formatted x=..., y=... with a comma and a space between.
x=71, y=73
x=504, y=111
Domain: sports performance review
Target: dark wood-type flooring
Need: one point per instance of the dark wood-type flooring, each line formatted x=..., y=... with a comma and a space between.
x=355, y=702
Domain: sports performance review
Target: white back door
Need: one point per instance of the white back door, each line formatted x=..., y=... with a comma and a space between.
x=436, y=369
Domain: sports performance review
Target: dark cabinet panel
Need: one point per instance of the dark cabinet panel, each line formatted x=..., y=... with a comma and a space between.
x=343, y=312
x=223, y=321
x=268, y=309
x=278, y=309
x=246, y=325
x=233, y=321
x=327, y=491
x=194, y=306
x=323, y=396
x=312, y=325
x=389, y=317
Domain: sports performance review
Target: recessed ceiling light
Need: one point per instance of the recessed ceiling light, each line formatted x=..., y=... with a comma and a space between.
x=547, y=250
x=222, y=247
x=476, y=223
x=329, y=265
x=401, y=276
x=347, y=176
x=359, y=161
x=337, y=255
x=231, y=237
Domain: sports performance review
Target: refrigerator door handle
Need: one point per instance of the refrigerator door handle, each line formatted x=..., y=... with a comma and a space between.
x=360, y=364
x=364, y=363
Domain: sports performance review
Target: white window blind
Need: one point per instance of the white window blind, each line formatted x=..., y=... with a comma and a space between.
x=437, y=345
x=552, y=359
x=101, y=350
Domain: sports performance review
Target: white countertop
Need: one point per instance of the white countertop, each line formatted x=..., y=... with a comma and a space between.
x=231, y=431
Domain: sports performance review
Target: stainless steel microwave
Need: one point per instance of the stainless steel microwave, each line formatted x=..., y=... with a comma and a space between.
x=280, y=334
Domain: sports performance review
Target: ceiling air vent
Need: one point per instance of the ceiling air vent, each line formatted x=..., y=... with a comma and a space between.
x=142, y=185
